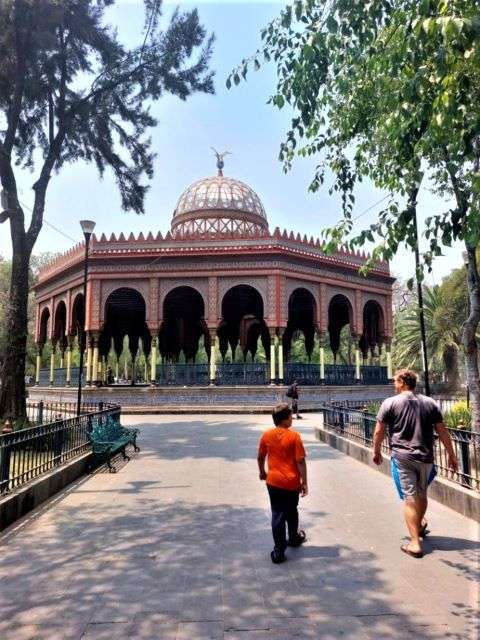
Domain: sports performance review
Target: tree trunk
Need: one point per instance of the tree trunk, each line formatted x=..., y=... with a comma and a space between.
x=469, y=337
x=12, y=391
x=450, y=361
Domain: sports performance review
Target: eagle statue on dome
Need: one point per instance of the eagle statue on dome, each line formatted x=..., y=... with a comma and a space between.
x=220, y=159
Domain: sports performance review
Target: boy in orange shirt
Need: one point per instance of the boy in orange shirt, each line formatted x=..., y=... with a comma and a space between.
x=286, y=479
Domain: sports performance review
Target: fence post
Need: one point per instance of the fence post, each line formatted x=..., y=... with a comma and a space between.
x=58, y=444
x=5, y=459
x=40, y=412
x=366, y=424
x=464, y=458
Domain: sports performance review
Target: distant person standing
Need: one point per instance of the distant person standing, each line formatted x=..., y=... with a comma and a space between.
x=412, y=420
x=292, y=392
x=286, y=479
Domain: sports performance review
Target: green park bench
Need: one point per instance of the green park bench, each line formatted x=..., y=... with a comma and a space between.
x=109, y=438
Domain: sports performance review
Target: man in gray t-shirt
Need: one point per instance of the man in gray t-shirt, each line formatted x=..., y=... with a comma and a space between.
x=412, y=420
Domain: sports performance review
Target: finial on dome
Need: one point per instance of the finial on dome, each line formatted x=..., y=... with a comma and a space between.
x=220, y=159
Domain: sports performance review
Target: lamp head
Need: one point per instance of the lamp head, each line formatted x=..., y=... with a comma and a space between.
x=87, y=227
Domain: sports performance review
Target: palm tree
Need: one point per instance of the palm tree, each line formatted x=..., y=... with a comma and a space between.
x=444, y=332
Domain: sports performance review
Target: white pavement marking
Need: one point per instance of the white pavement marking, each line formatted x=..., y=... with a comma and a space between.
x=176, y=546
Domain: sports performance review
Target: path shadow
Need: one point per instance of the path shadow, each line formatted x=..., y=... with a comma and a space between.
x=148, y=561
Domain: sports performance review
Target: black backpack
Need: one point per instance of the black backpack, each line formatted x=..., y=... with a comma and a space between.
x=289, y=392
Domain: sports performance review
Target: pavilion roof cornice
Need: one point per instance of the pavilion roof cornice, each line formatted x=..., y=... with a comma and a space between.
x=155, y=247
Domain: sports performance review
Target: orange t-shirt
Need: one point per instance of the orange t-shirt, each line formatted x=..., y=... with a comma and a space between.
x=283, y=448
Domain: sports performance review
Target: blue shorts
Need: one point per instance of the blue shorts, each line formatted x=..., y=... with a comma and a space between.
x=412, y=478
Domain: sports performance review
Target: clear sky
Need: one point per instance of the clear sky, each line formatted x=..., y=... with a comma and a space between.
x=238, y=120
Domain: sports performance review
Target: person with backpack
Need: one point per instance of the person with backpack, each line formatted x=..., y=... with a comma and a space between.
x=286, y=479
x=292, y=392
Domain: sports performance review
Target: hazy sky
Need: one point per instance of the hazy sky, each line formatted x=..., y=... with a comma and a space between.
x=238, y=120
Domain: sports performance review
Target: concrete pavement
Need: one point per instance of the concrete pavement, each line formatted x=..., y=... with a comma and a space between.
x=175, y=546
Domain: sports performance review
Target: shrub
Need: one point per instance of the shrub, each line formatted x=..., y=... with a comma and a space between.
x=459, y=413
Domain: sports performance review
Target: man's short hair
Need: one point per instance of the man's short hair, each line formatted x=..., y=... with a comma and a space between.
x=408, y=377
x=280, y=413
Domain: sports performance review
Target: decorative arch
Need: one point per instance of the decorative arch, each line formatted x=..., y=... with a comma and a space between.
x=183, y=323
x=43, y=325
x=141, y=287
x=373, y=328
x=302, y=317
x=125, y=315
x=242, y=321
x=199, y=285
x=77, y=315
x=60, y=325
x=340, y=314
x=259, y=283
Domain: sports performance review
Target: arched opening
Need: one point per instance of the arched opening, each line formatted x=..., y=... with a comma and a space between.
x=340, y=321
x=300, y=331
x=60, y=327
x=373, y=329
x=43, y=330
x=77, y=323
x=242, y=324
x=183, y=325
x=125, y=329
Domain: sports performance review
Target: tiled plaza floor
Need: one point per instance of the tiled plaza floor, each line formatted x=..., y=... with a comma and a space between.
x=175, y=546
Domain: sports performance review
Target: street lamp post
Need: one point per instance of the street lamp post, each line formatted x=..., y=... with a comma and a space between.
x=87, y=227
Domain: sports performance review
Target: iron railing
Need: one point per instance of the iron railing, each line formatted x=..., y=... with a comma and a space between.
x=239, y=373
x=28, y=453
x=182, y=375
x=248, y=373
x=359, y=426
x=43, y=412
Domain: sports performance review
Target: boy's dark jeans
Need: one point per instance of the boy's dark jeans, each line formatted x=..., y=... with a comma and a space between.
x=284, y=511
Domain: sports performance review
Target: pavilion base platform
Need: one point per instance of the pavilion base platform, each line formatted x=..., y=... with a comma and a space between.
x=212, y=399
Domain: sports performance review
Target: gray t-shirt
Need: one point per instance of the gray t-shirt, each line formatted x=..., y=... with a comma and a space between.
x=411, y=419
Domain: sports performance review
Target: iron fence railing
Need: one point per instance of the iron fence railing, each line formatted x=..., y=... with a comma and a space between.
x=359, y=426
x=238, y=373
x=43, y=412
x=28, y=453
x=174, y=374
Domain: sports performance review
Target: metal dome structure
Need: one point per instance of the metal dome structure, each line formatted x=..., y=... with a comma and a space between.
x=219, y=206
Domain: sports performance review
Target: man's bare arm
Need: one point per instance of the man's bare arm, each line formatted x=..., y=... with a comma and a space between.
x=378, y=436
x=262, y=474
x=446, y=440
x=302, y=470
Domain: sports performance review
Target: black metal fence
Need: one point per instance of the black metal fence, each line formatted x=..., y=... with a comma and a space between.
x=359, y=426
x=29, y=453
x=181, y=375
x=239, y=373
x=335, y=374
x=42, y=412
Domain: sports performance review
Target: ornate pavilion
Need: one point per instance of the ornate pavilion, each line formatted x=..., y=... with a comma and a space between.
x=202, y=302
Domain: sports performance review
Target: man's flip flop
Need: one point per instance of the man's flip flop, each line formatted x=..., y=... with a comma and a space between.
x=409, y=552
x=424, y=530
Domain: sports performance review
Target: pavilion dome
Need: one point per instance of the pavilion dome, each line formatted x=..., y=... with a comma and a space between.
x=219, y=206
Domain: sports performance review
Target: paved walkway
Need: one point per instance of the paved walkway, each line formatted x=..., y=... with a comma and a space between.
x=175, y=546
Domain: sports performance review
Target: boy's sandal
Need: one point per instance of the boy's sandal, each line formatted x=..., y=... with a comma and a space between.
x=300, y=539
x=409, y=552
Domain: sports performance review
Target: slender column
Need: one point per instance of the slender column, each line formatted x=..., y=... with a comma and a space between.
x=68, y=377
x=88, y=373
x=356, y=340
x=104, y=370
x=38, y=364
x=388, y=349
x=280, y=356
x=322, y=344
x=95, y=359
x=213, y=355
x=52, y=364
x=117, y=370
x=272, y=356
x=153, y=362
